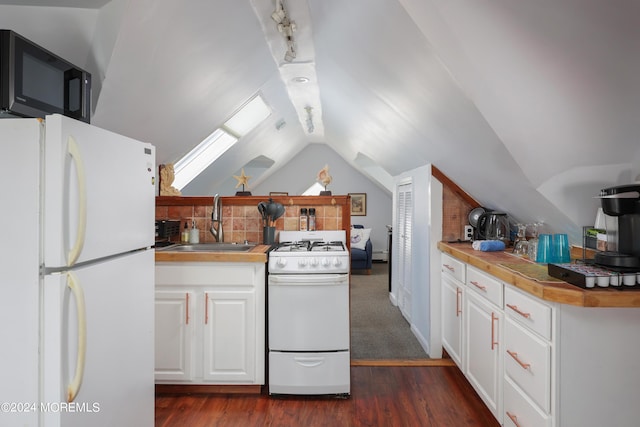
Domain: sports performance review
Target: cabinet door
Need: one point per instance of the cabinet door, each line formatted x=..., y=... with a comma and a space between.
x=174, y=335
x=452, y=318
x=230, y=335
x=483, y=364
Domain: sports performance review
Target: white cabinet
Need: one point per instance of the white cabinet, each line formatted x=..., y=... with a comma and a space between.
x=483, y=360
x=210, y=323
x=229, y=351
x=452, y=292
x=174, y=337
x=545, y=364
x=483, y=335
x=472, y=327
x=527, y=360
x=483, y=340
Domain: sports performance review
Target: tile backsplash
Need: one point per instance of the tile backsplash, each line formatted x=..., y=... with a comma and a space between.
x=242, y=223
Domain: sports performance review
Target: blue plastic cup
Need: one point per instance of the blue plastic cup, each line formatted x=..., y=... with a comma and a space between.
x=561, y=248
x=545, y=249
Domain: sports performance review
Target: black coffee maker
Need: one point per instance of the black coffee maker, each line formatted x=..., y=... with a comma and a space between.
x=622, y=203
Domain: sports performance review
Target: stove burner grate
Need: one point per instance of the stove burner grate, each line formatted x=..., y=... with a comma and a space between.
x=302, y=246
x=327, y=246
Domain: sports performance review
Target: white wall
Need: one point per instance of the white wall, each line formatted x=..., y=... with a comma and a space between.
x=300, y=173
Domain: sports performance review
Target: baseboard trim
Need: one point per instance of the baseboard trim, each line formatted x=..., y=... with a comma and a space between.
x=403, y=362
x=208, y=388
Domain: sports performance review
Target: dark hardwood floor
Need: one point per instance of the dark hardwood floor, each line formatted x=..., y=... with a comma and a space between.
x=380, y=396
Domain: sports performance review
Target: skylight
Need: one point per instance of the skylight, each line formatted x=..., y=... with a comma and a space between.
x=249, y=116
x=216, y=144
x=198, y=159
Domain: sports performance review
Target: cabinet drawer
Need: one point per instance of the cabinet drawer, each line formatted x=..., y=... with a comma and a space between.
x=309, y=373
x=453, y=267
x=528, y=312
x=519, y=411
x=208, y=273
x=527, y=361
x=485, y=285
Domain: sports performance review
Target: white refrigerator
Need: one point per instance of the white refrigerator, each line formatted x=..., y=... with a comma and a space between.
x=77, y=268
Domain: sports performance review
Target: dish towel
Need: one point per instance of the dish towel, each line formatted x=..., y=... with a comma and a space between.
x=488, y=245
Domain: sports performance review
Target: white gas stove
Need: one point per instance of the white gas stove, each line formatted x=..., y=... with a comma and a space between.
x=308, y=290
x=309, y=252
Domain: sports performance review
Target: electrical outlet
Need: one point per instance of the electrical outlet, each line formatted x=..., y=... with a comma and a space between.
x=468, y=232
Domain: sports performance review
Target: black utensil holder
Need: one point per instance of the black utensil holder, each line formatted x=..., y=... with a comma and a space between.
x=269, y=235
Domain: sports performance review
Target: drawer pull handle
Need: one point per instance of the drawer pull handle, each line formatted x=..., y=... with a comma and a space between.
x=513, y=419
x=458, y=308
x=478, y=285
x=493, y=329
x=448, y=267
x=187, y=307
x=520, y=362
x=206, y=308
x=520, y=312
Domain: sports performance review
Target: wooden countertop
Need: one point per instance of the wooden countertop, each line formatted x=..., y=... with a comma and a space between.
x=560, y=292
x=256, y=254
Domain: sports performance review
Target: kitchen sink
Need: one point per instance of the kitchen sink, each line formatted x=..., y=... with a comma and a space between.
x=208, y=247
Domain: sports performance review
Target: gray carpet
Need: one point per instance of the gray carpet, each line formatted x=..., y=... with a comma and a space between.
x=378, y=329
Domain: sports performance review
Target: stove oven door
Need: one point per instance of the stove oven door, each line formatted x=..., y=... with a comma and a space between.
x=308, y=312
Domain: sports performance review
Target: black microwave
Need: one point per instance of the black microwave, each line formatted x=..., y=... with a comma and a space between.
x=34, y=82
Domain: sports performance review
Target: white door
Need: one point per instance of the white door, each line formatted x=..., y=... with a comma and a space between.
x=230, y=335
x=174, y=334
x=404, y=225
x=99, y=192
x=115, y=383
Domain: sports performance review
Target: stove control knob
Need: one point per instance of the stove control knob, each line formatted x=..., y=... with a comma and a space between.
x=281, y=262
x=314, y=262
x=302, y=262
x=325, y=262
x=337, y=262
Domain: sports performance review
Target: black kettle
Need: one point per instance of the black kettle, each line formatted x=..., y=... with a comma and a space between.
x=493, y=226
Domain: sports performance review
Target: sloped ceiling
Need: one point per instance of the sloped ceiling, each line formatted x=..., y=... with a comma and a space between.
x=532, y=107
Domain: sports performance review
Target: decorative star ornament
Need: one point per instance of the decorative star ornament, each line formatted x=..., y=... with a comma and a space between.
x=242, y=179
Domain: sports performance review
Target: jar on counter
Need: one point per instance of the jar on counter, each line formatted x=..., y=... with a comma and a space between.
x=312, y=219
x=303, y=219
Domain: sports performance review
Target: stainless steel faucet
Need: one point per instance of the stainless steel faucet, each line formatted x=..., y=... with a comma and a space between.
x=216, y=219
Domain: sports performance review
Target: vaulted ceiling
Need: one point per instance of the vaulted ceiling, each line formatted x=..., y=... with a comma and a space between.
x=531, y=107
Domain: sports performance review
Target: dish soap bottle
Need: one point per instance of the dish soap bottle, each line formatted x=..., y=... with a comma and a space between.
x=184, y=238
x=194, y=234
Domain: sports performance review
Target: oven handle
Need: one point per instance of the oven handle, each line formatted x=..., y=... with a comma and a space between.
x=309, y=279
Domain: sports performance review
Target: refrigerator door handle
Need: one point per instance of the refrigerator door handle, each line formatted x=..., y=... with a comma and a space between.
x=76, y=289
x=74, y=151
